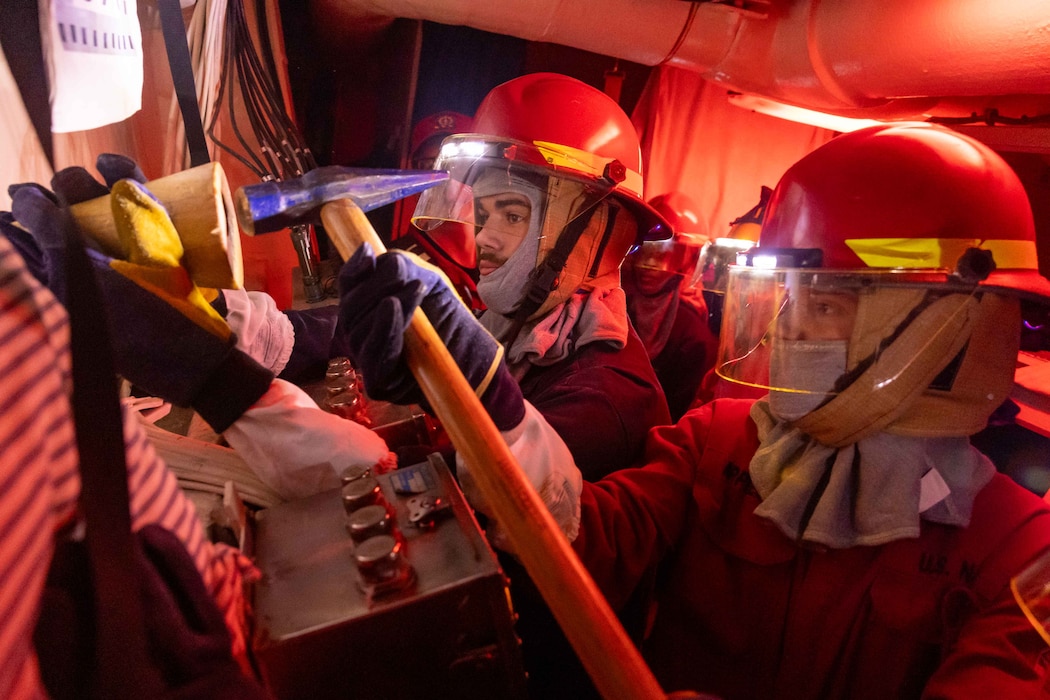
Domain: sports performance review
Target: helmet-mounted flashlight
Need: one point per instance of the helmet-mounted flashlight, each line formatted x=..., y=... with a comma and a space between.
x=769, y=258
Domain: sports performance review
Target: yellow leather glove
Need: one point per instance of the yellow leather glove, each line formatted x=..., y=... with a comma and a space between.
x=153, y=254
x=165, y=337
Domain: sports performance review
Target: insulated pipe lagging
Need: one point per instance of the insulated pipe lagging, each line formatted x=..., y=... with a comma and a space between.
x=835, y=55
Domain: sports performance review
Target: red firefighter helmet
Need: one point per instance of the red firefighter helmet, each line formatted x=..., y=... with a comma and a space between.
x=902, y=247
x=429, y=131
x=681, y=212
x=676, y=256
x=582, y=128
x=907, y=196
x=577, y=153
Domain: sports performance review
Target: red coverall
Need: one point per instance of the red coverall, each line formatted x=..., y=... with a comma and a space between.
x=745, y=613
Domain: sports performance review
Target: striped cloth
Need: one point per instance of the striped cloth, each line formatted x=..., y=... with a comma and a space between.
x=39, y=482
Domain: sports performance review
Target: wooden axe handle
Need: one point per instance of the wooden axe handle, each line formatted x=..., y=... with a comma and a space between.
x=200, y=205
x=607, y=653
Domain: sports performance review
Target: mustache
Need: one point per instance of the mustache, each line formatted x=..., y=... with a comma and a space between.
x=486, y=256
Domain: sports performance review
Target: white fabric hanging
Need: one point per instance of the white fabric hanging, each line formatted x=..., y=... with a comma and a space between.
x=93, y=52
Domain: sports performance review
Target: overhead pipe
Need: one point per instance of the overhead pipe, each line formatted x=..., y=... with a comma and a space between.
x=887, y=58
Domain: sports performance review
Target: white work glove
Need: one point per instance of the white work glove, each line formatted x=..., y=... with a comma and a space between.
x=549, y=467
x=297, y=449
x=263, y=331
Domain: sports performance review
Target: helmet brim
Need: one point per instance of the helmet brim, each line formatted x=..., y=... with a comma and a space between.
x=1027, y=284
x=652, y=225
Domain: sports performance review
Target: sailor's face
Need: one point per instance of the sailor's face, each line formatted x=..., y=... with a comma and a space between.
x=649, y=272
x=817, y=315
x=503, y=221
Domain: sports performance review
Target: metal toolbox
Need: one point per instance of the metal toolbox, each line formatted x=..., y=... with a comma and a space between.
x=416, y=607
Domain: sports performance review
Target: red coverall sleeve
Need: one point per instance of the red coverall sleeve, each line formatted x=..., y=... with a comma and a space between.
x=997, y=653
x=632, y=517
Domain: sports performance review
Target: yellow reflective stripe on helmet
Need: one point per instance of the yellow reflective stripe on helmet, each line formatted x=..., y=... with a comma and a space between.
x=940, y=252
x=568, y=157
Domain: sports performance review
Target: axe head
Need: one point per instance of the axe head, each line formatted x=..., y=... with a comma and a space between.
x=271, y=206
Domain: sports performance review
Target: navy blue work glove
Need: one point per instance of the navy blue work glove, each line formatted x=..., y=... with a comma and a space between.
x=44, y=252
x=166, y=338
x=377, y=297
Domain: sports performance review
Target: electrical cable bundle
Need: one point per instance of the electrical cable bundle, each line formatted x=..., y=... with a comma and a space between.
x=232, y=80
x=279, y=151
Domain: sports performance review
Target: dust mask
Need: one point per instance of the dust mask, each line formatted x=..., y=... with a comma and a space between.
x=802, y=375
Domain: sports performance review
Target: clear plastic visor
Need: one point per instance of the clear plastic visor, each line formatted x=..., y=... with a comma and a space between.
x=712, y=272
x=809, y=331
x=506, y=188
x=676, y=256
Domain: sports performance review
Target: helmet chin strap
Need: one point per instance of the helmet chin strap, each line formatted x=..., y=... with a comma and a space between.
x=545, y=277
x=903, y=371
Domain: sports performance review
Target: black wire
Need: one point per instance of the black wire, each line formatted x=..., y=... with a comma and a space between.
x=254, y=165
x=264, y=30
x=231, y=38
x=279, y=150
x=270, y=97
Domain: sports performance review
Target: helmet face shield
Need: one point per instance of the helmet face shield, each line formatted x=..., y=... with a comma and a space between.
x=712, y=271
x=677, y=256
x=503, y=185
x=814, y=332
x=530, y=205
x=653, y=264
x=926, y=238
